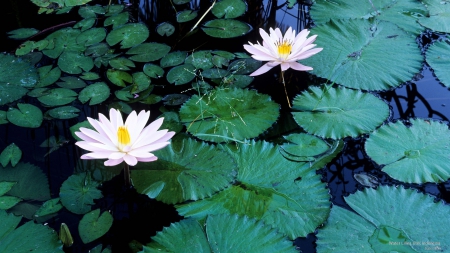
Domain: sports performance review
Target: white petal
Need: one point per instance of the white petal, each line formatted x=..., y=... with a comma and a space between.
x=264, y=68
x=112, y=162
x=93, y=146
x=104, y=130
x=96, y=136
x=97, y=155
x=148, y=131
x=116, y=155
x=307, y=54
x=142, y=120
x=116, y=118
x=84, y=137
x=269, y=43
x=150, y=159
x=258, y=53
x=149, y=139
x=108, y=127
x=300, y=67
x=131, y=160
x=141, y=154
x=284, y=66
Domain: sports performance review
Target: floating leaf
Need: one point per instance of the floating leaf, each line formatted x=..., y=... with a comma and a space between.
x=40, y=238
x=415, y=154
x=438, y=19
x=96, y=93
x=153, y=70
x=200, y=59
x=186, y=15
x=3, y=118
x=58, y=96
x=30, y=46
x=286, y=195
x=71, y=82
x=229, y=114
x=49, y=207
x=193, y=171
x=121, y=63
x=119, y=77
x=64, y=112
x=244, y=66
x=438, y=59
x=165, y=28
x=26, y=116
x=173, y=59
x=63, y=40
x=148, y=52
x=6, y=202
x=226, y=28
x=91, y=36
x=10, y=93
x=85, y=24
x=16, y=72
x=338, y=112
x=93, y=225
x=365, y=55
x=229, y=8
x=390, y=219
x=5, y=187
x=78, y=192
x=48, y=75
x=117, y=20
x=222, y=233
x=12, y=154
x=128, y=35
x=303, y=147
x=181, y=74
x=403, y=13
x=22, y=33
x=74, y=63
x=32, y=184
x=90, y=76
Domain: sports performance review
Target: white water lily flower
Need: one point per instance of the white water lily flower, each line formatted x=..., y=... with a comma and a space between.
x=283, y=50
x=118, y=141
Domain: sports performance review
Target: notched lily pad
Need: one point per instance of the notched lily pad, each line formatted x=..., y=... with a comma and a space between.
x=26, y=116
x=128, y=35
x=147, y=52
x=11, y=153
x=78, y=192
x=229, y=8
x=226, y=28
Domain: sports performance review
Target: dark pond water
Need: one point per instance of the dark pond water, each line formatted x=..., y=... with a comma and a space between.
x=424, y=97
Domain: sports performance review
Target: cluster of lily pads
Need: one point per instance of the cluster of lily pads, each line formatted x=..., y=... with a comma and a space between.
x=236, y=190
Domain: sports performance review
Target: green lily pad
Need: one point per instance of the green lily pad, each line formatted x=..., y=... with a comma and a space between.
x=165, y=29
x=3, y=118
x=190, y=172
x=32, y=184
x=119, y=77
x=63, y=40
x=64, y=112
x=186, y=16
x=181, y=74
x=226, y=28
x=16, y=72
x=129, y=35
x=365, y=55
x=93, y=225
x=153, y=70
x=40, y=238
x=6, y=202
x=91, y=11
x=403, y=13
x=75, y=63
x=58, y=96
x=200, y=59
x=229, y=8
x=121, y=63
x=22, y=33
x=48, y=75
x=117, y=19
x=236, y=81
x=26, y=116
x=91, y=36
x=71, y=82
x=386, y=222
x=173, y=59
x=222, y=233
x=244, y=66
x=439, y=18
x=37, y=92
x=30, y=46
x=78, y=192
x=49, y=207
x=146, y=52
x=141, y=82
x=90, y=76
x=286, y=195
x=338, y=112
x=415, y=154
x=303, y=147
x=229, y=114
x=10, y=93
x=5, y=187
x=12, y=154
x=95, y=93
x=85, y=24
x=97, y=50
x=438, y=59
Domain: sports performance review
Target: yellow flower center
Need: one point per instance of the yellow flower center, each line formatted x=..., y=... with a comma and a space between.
x=123, y=136
x=284, y=48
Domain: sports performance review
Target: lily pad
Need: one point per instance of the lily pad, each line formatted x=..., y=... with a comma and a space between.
x=303, y=147
x=78, y=192
x=222, y=233
x=439, y=18
x=385, y=222
x=16, y=72
x=181, y=74
x=91, y=36
x=58, y=96
x=438, y=59
x=146, y=52
x=95, y=93
x=6, y=202
x=64, y=112
x=5, y=187
x=93, y=225
x=40, y=238
x=121, y=63
x=119, y=77
x=200, y=59
x=229, y=114
x=48, y=75
x=286, y=195
x=75, y=63
x=226, y=28
x=117, y=19
x=10, y=93
x=190, y=172
x=63, y=40
x=49, y=207
x=229, y=8
x=415, y=154
x=22, y=33
x=129, y=35
x=403, y=13
x=173, y=59
x=26, y=116
x=186, y=16
x=71, y=82
x=153, y=70
x=338, y=112
x=365, y=55
x=165, y=29
x=12, y=154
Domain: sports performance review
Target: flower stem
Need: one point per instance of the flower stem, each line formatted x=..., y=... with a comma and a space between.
x=126, y=173
x=285, y=92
